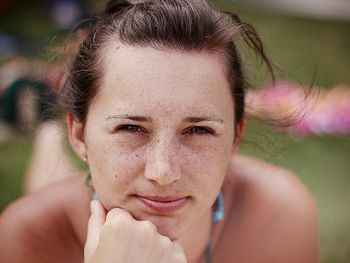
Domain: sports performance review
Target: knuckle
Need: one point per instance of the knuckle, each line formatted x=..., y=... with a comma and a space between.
x=180, y=257
x=165, y=241
x=148, y=226
x=116, y=219
x=177, y=257
x=117, y=215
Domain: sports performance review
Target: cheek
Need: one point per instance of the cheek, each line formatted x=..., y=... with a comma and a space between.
x=113, y=158
x=208, y=169
x=208, y=164
x=114, y=168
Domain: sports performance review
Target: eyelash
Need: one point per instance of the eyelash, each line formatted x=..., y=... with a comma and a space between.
x=194, y=130
x=199, y=130
x=130, y=128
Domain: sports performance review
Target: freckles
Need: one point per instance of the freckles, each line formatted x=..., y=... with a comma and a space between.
x=208, y=163
x=195, y=161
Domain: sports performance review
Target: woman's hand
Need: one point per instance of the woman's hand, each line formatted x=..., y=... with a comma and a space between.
x=118, y=237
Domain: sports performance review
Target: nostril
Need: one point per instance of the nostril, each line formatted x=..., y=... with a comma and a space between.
x=161, y=172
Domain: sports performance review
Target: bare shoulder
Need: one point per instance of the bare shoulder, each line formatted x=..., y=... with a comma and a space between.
x=257, y=177
x=271, y=210
x=32, y=227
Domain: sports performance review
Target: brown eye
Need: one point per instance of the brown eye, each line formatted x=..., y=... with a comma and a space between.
x=130, y=128
x=199, y=130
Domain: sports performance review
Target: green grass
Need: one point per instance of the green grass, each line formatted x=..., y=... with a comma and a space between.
x=303, y=47
x=14, y=156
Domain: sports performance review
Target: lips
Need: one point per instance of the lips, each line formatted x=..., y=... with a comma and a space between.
x=163, y=204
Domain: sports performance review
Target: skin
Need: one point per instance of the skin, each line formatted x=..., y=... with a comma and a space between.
x=157, y=143
x=153, y=144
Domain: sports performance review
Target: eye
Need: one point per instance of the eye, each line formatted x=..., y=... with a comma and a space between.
x=129, y=128
x=199, y=130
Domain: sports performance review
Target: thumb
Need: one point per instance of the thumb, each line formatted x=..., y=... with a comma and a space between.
x=96, y=221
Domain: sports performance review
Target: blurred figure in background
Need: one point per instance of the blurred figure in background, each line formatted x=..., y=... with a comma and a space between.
x=28, y=94
x=67, y=14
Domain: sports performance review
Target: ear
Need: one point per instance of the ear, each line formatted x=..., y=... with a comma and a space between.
x=240, y=131
x=76, y=137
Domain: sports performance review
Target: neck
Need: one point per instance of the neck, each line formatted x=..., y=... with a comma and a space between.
x=196, y=239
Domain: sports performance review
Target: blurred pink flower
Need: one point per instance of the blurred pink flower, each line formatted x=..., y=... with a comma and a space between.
x=315, y=112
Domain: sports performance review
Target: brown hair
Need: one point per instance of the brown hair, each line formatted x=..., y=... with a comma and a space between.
x=186, y=25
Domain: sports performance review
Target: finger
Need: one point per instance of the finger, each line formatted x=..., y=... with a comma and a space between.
x=175, y=254
x=179, y=255
x=96, y=221
x=177, y=246
x=118, y=215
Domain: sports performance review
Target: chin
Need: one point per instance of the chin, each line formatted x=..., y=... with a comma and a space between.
x=171, y=227
x=169, y=216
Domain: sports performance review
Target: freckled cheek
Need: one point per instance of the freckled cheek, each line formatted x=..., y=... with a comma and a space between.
x=112, y=162
x=206, y=176
x=115, y=171
x=208, y=164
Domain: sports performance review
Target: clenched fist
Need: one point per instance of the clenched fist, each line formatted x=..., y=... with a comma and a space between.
x=117, y=237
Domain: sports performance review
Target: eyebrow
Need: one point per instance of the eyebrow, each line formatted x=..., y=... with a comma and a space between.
x=149, y=119
x=129, y=117
x=203, y=118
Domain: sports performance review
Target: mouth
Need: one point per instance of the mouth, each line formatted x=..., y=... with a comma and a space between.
x=163, y=205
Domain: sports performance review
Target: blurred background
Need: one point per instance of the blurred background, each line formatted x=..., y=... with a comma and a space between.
x=308, y=41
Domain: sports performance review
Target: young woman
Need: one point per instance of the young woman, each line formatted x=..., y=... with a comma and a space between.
x=155, y=102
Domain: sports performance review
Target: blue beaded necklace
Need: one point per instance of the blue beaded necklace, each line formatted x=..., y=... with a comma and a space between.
x=217, y=216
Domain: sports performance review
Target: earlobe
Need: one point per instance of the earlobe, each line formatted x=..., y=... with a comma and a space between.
x=240, y=131
x=76, y=137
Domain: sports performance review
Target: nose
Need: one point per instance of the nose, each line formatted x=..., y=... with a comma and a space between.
x=162, y=166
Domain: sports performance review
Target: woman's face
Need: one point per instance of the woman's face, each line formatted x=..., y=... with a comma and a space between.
x=159, y=134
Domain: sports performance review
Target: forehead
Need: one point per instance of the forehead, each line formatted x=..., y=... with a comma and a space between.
x=140, y=76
